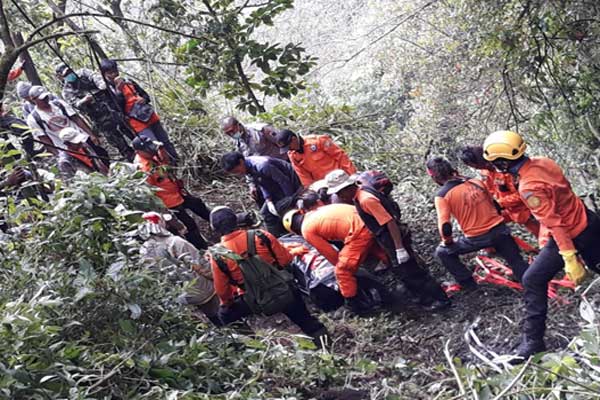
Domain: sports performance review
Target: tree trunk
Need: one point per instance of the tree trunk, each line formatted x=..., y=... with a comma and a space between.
x=29, y=67
x=95, y=46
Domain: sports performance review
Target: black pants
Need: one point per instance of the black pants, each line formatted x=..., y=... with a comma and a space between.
x=498, y=237
x=272, y=222
x=544, y=268
x=100, y=151
x=197, y=206
x=416, y=278
x=296, y=312
x=114, y=132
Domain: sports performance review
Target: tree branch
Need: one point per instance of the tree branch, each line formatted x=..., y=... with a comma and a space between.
x=114, y=18
x=31, y=43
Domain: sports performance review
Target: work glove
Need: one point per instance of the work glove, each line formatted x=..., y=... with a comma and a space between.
x=574, y=269
x=402, y=255
x=272, y=209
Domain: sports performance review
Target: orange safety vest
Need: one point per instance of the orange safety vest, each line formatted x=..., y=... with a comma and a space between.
x=132, y=97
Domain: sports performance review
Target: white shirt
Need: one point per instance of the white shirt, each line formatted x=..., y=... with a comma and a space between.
x=54, y=121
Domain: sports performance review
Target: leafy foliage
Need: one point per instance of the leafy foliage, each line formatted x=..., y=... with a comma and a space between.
x=229, y=57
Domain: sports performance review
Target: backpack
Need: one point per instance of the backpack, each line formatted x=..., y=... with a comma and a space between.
x=379, y=185
x=266, y=288
x=376, y=180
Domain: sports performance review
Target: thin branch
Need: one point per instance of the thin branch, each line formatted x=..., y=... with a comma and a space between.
x=114, y=17
x=31, y=43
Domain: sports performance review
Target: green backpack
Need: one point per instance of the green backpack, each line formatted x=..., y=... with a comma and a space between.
x=266, y=288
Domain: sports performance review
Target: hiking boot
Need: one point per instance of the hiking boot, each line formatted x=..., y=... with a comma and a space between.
x=358, y=306
x=526, y=349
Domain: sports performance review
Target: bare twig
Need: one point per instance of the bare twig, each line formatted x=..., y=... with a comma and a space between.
x=516, y=379
x=461, y=385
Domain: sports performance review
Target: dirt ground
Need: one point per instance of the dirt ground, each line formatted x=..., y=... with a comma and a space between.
x=415, y=337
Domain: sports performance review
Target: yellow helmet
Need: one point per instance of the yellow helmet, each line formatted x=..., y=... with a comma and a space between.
x=288, y=218
x=503, y=144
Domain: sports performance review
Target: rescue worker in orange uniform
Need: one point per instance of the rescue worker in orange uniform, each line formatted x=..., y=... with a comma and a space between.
x=135, y=104
x=502, y=187
x=152, y=159
x=229, y=284
x=575, y=230
x=472, y=206
x=313, y=156
x=338, y=223
x=381, y=215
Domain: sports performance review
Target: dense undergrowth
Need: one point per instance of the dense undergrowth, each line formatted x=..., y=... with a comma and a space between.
x=82, y=318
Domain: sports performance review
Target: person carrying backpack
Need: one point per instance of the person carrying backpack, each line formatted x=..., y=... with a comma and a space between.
x=250, y=278
x=370, y=193
x=135, y=104
x=49, y=117
x=86, y=91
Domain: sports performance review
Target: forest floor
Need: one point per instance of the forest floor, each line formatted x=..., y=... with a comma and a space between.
x=407, y=347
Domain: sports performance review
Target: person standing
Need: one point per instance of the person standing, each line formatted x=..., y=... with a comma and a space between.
x=135, y=104
x=49, y=117
x=252, y=139
x=152, y=158
x=87, y=92
x=78, y=155
x=502, y=187
x=574, y=229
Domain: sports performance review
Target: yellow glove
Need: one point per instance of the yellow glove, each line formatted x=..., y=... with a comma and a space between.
x=574, y=269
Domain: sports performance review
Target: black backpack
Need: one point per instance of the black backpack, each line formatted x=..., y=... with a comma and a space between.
x=267, y=289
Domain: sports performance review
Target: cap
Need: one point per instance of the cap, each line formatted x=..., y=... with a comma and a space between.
x=284, y=137
x=318, y=185
x=61, y=69
x=337, y=180
x=223, y=219
x=38, y=92
x=72, y=135
x=23, y=89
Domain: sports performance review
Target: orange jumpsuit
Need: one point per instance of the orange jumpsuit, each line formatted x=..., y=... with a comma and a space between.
x=548, y=194
x=339, y=222
x=471, y=206
x=318, y=156
x=169, y=189
x=237, y=241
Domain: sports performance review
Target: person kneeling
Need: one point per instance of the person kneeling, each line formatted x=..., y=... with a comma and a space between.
x=249, y=276
x=471, y=204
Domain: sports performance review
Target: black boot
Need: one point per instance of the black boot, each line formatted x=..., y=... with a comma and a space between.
x=527, y=348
